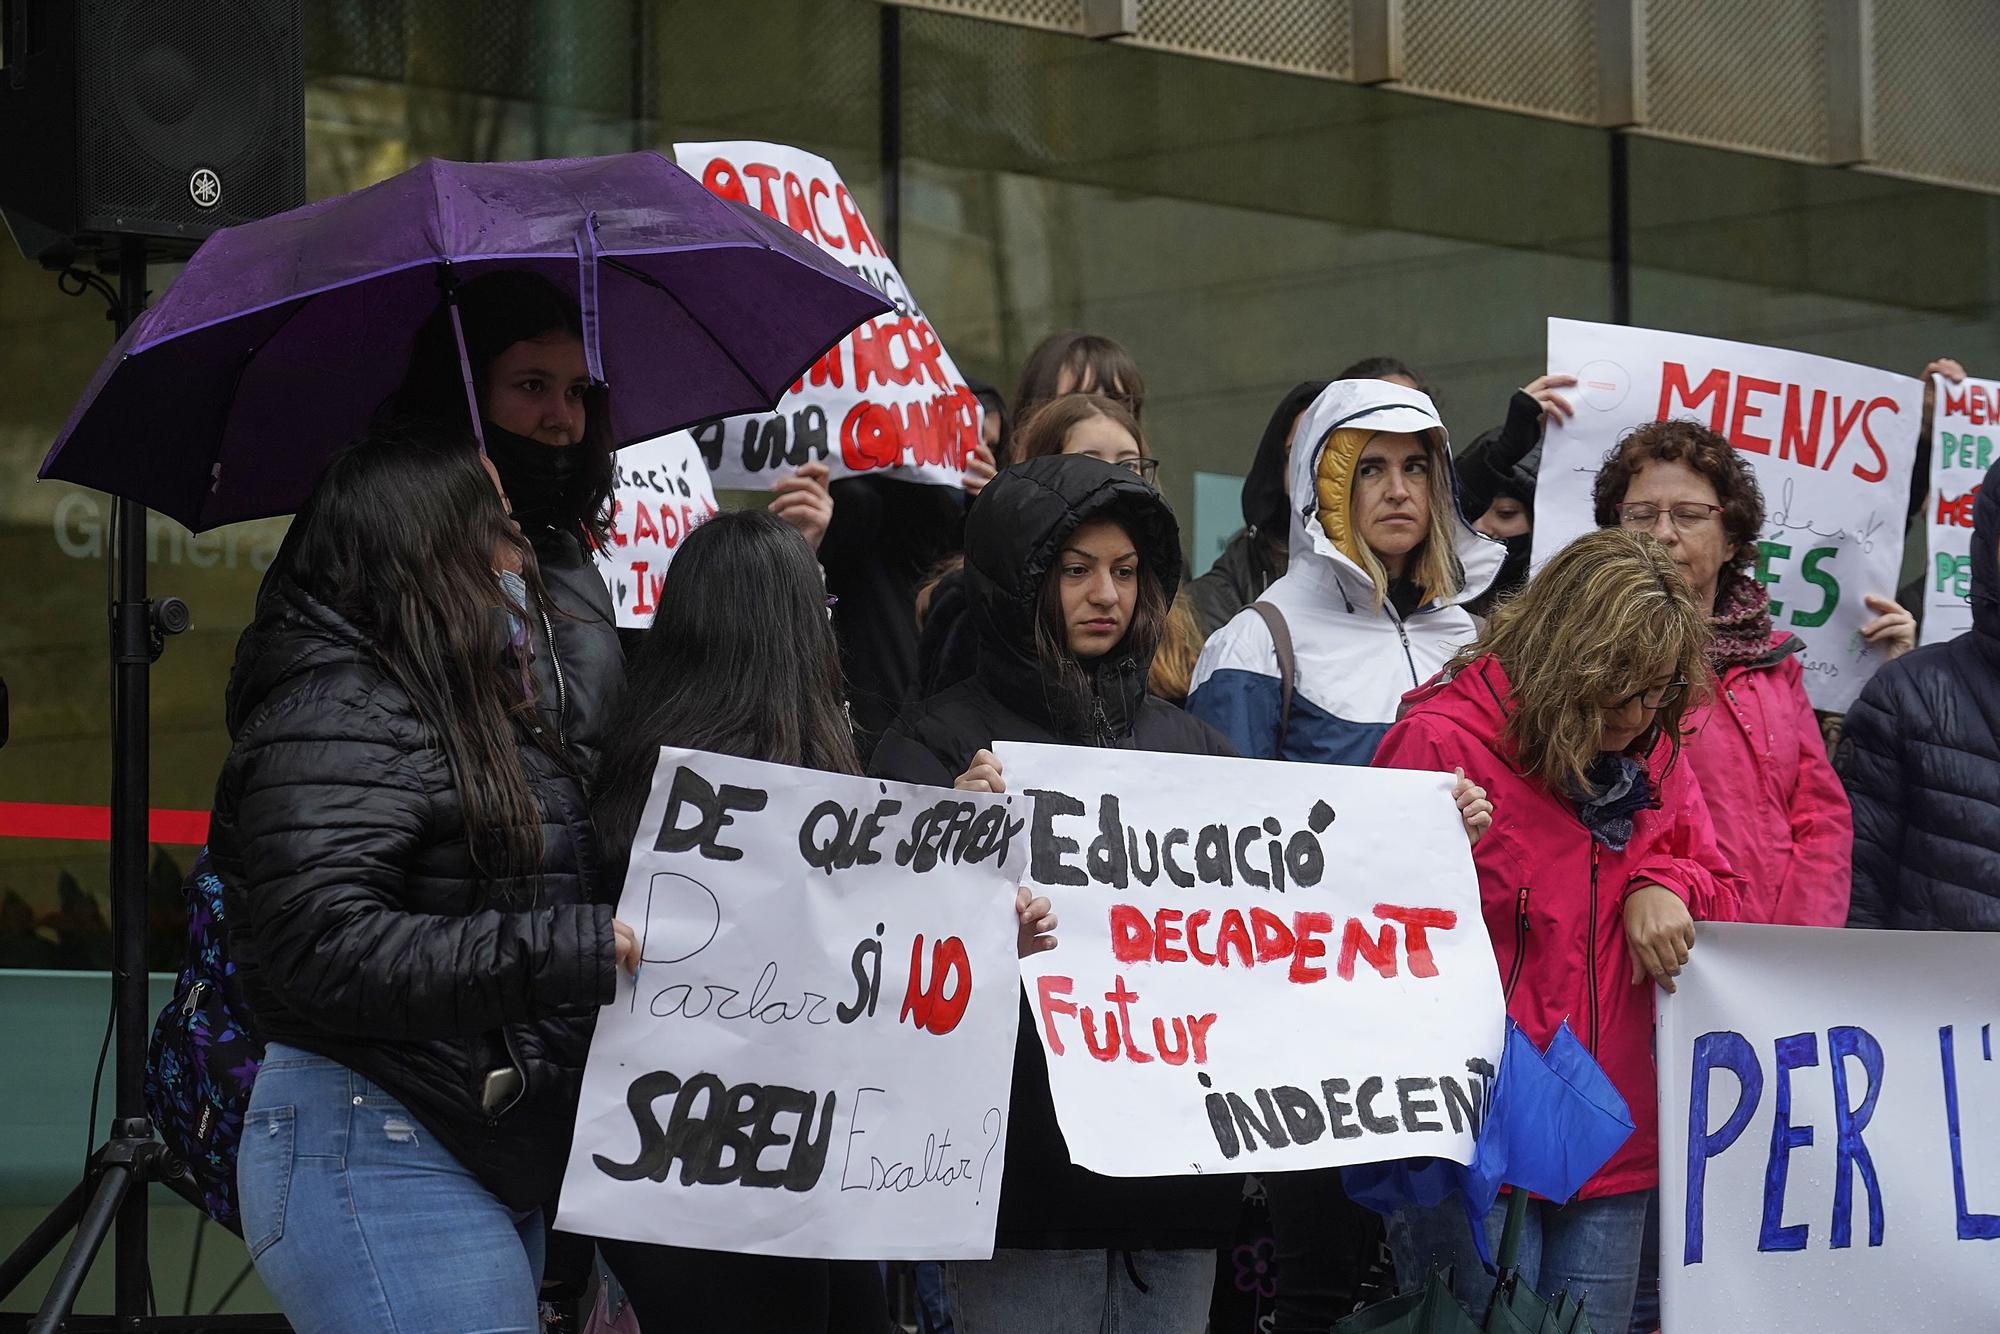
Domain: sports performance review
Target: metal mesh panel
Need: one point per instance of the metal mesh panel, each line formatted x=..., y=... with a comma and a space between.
x=1060, y=15
x=1934, y=68
x=1302, y=36
x=1525, y=55
x=1739, y=75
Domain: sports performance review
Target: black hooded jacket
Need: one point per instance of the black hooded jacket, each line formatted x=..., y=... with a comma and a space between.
x=1259, y=552
x=357, y=924
x=1921, y=760
x=1013, y=536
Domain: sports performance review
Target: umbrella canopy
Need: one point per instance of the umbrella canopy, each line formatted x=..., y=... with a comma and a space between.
x=275, y=346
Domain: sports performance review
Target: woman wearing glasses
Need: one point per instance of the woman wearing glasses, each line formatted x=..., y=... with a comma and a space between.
x=1569, y=710
x=1781, y=817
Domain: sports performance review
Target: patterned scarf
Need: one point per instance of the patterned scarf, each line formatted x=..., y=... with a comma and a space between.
x=1741, y=622
x=1618, y=789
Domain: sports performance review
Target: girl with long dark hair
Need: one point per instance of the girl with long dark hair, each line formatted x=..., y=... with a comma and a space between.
x=409, y=872
x=1072, y=564
x=740, y=660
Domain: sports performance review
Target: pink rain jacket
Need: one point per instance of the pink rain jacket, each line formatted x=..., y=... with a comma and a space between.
x=1781, y=816
x=1554, y=897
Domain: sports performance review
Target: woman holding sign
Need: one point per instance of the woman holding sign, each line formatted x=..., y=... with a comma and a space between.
x=1780, y=816
x=1072, y=563
x=1569, y=709
x=1370, y=606
x=409, y=876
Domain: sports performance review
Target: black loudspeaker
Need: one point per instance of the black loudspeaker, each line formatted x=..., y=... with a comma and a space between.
x=166, y=119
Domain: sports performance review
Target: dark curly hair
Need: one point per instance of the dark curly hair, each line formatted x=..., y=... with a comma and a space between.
x=1697, y=447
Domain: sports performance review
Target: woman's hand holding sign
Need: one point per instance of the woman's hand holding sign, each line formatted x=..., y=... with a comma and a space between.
x=627, y=945
x=1037, y=920
x=1473, y=807
x=1660, y=932
x=982, y=775
x=1038, y=923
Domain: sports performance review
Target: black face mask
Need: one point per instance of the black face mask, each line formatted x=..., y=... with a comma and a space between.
x=549, y=486
x=1514, y=566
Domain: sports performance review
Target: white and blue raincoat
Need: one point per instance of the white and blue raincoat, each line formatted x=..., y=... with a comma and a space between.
x=1354, y=660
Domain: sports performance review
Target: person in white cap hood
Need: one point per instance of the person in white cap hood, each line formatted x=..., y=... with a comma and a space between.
x=1372, y=603
x=1370, y=607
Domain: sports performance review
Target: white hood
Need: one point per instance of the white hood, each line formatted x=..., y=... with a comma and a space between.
x=1374, y=405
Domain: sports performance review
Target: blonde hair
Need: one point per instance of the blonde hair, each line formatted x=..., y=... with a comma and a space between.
x=1434, y=567
x=1172, y=671
x=1607, y=617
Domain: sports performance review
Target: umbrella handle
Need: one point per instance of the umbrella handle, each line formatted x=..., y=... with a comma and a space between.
x=1510, y=1238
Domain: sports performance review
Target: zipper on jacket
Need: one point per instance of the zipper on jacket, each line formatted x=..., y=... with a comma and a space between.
x=1101, y=721
x=555, y=661
x=1520, y=942
x=1408, y=657
x=1590, y=948
x=193, y=999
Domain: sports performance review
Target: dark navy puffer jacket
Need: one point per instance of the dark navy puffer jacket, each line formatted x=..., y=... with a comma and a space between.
x=358, y=924
x=1921, y=760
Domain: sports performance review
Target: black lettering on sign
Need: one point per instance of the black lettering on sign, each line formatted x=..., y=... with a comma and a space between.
x=713, y=811
x=721, y=1135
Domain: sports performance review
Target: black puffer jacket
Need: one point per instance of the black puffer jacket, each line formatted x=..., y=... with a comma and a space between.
x=357, y=925
x=1921, y=760
x=1013, y=536
x=579, y=686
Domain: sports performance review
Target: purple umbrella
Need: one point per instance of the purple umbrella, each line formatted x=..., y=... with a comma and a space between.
x=225, y=401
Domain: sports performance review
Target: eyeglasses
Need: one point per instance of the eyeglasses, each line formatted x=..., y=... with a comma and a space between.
x=1640, y=515
x=1656, y=698
x=1147, y=469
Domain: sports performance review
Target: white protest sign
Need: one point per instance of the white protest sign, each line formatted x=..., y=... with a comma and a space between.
x=888, y=396
x=1263, y=966
x=1833, y=445
x=815, y=1057
x=1964, y=423
x=661, y=493
x=1830, y=1132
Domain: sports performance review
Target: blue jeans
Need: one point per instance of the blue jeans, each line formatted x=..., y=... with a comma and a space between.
x=1646, y=1299
x=1082, y=1292
x=358, y=1219
x=1587, y=1247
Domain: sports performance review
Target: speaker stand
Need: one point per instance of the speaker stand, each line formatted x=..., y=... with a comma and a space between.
x=111, y=1199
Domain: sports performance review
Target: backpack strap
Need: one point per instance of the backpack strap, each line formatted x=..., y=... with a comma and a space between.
x=1288, y=665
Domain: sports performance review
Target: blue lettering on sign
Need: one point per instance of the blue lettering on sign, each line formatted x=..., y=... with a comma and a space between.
x=1971, y=1226
x=1713, y=1051
x=1849, y=1121
x=1795, y=1052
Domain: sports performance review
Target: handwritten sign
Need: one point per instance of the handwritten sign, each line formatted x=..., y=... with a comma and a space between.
x=888, y=397
x=1830, y=1152
x=1833, y=446
x=814, y=1059
x=1964, y=425
x=1263, y=966
x=661, y=494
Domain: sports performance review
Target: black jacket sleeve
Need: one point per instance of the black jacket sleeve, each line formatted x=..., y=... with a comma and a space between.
x=1483, y=469
x=1871, y=768
x=900, y=757
x=332, y=805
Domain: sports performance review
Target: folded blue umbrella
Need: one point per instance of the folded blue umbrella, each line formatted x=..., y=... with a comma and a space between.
x=1551, y=1122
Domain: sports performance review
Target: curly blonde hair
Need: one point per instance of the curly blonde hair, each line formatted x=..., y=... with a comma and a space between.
x=1608, y=616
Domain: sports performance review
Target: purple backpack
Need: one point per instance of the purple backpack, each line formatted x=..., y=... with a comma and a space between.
x=204, y=1053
